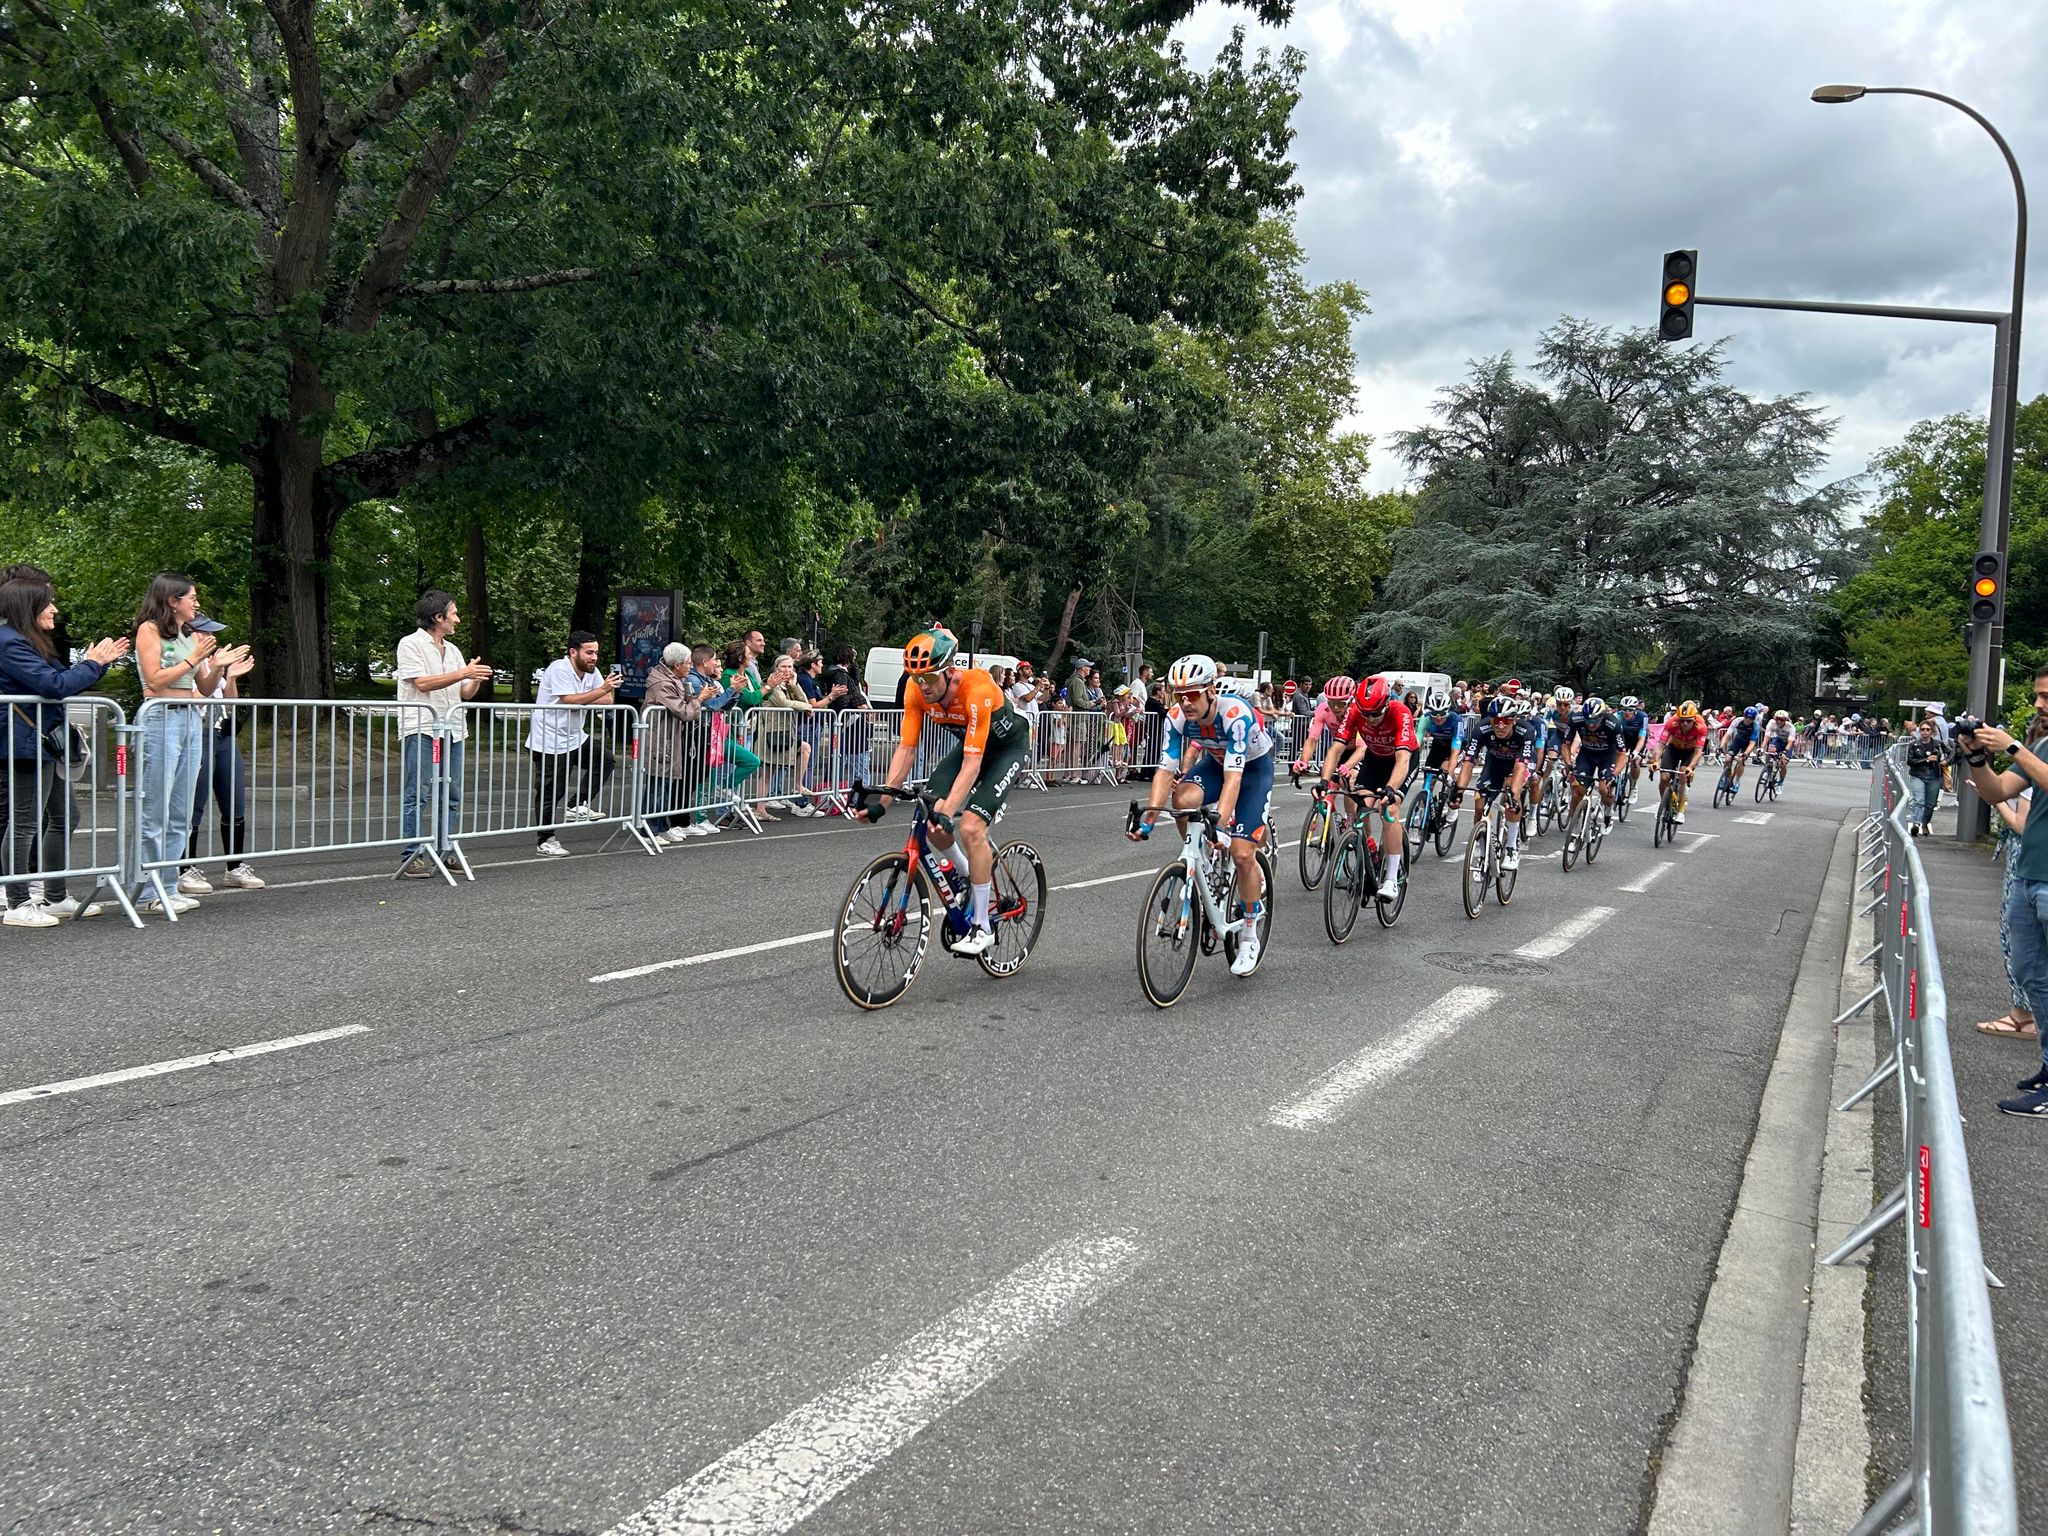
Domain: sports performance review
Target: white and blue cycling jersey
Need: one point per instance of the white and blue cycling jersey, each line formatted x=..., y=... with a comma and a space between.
x=1233, y=734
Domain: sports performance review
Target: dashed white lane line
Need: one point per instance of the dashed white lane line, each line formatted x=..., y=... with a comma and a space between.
x=1376, y=1063
x=1565, y=935
x=1755, y=818
x=793, y=1468
x=1697, y=840
x=716, y=954
x=1650, y=876
x=182, y=1064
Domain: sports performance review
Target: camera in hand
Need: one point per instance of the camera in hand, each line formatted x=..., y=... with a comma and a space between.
x=1967, y=725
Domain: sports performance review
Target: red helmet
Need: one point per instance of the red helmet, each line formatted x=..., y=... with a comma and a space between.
x=1373, y=694
x=1339, y=687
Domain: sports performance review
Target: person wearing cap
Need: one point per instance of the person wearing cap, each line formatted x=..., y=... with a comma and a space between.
x=1023, y=687
x=223, y=779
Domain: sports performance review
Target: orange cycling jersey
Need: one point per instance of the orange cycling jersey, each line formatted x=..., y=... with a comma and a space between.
x=974, y=706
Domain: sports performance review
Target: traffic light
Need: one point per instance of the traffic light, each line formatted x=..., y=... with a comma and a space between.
x=1679, y=267
x=1987, y=589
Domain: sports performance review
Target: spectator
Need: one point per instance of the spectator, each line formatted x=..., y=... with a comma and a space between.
x=1059, y=710
x=718, y=701
x=743, y=677
x=181, y=666
x=1926, y=761
x=41, y=577
x=1300, y=700
x=432, y=674
x=782, y=742
x=1873, y=740
x=751, y=650
x=223, y=779
x=561, y=745
x=38, y=790
x=1023, y=687
x=2018, y=1020
x=676, y=747
x=818, y=730
x=1125, y=717
x=856, y=718
x=1076, y=690
x=1096, y=698
x=1938, y=713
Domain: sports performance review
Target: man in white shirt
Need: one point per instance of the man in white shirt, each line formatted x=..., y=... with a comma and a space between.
x=560, y=744
x=431, y=672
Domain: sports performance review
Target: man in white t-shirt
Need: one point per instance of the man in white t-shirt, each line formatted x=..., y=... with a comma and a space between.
x=560, y=743
x=431, y=672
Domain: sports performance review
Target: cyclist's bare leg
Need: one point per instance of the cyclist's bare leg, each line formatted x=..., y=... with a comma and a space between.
x=1251, y=880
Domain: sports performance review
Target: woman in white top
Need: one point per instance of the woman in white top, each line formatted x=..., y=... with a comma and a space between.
x=183, y=667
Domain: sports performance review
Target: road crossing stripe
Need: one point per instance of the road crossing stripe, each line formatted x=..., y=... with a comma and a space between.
x=1649, y=877
x=182, y=1064
x=1755, y=818
x=1565, y=935
x=1376, y=1063
x=796, y=1466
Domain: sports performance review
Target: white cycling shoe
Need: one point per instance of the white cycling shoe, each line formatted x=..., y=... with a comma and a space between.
x=976, y=942
x=1247, y=959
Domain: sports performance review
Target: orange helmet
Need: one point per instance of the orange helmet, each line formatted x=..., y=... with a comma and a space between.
x=930, y=650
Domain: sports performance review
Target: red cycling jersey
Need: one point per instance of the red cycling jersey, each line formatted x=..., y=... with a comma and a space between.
x=1684, y=734
x=1393, y=731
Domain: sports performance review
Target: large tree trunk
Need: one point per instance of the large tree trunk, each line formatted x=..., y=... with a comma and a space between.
x=477, y=603
x=593, y=601
x=1059, y=642
x=292, y=550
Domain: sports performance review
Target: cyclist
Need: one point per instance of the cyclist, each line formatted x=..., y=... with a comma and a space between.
x=1685, y=738
x=1551, y=720
x=1442, y=728
x=1329, y=714
x=1504, y=748
x=1380, y=733
x=1778, y=741
x=1635, y=729
x=976, y=775
x=1740, y=738
x=1217, y=741
x=1593, y=736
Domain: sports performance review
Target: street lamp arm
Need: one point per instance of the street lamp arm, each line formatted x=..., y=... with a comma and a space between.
x=2012, y=164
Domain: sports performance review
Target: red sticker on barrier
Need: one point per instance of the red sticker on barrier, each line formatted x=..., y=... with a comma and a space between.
x=1902, y=919
x=1926, y=1189
x=121, y=762
x=437, y=751
x=1913, y=993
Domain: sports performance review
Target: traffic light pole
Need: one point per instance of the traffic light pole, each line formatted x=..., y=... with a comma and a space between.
x=1987, y=641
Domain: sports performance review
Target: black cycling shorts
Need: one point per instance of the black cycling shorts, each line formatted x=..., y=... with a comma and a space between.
x=1000, y=766
x=1673, y=757
x=1374, y=771
x=1496, y=773
x=1592, y=762
x=1439, y=752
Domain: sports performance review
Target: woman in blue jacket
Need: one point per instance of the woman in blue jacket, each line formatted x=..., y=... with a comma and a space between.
x=39, y=796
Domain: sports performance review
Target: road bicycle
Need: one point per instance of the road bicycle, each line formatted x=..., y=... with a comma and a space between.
x=1357, y=874
x=887, y=922
x=1585, y=827
x=1665, y=829
x=1725, y=788
x=1430, y=818
x=1329, y=819
x=1548, y=791
x=1625, y=787
x=1484, y=845
x=1192, y=907
x=1768, y=779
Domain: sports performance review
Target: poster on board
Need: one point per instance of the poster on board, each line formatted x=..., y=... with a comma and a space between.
x=648, y=620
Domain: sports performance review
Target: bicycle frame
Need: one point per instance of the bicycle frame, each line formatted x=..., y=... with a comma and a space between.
x=1198, y=858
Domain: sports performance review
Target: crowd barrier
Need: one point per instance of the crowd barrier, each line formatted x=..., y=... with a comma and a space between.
x=64, y=814
x=533, y=770
x=1961, y=1475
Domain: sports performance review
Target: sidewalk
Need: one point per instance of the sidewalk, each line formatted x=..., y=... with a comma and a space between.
x=2007, y=1159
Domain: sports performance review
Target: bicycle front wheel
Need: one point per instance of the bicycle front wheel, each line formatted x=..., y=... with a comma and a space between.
x=1574, y=836
x=1472, y=887
x=885, y=927
x=1315, y=845
x=1169, y=937
x=1016, y=908
x=1389, y=912
x=1446, y=832
x=1345, y=890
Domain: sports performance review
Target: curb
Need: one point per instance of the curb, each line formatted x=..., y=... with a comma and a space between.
x=1729, y=1462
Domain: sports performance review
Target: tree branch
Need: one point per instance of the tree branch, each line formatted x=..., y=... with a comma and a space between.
x=22, y=165
x=463, y=287
x=387, y=471
x=252, y=115
x=902, y=286
x=133, y=160
x=149, y=418
x=393, y=99
x=211, y=176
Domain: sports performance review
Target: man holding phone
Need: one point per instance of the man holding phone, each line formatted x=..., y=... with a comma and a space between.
x=2026, y=902
x=561, y=744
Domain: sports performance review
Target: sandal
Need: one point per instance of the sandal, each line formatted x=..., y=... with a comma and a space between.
x=2009, y=1028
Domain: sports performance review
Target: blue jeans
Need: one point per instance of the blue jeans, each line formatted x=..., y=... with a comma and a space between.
x=174, y=749
x=2009, y=857
x=2026, y=922
x=1928, y=793
x=418, y=791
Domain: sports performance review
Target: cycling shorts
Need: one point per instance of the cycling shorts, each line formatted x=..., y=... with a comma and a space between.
x=1673, y=757
x=1253, y=790
x=1001, y=765
x=1497, y=773
x=1553, y=738
x=1631, y=741
x=1439, y=752
x=1374, y=771
x=1591, y=763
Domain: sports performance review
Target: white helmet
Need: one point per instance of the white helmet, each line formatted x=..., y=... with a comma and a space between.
x=1510, y=708
x=1196, y=671
x=1630, y=701
x=1564, y=695
x=1242, y=687
x=1438, y=700
x=1595, y=705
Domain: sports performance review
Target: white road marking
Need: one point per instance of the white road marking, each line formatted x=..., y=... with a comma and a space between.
x=1755, y=818
x=794, y=1467
x=1565, y=935
x=716, y=954
x=182, y=1064
x=1376, y=1063
x=1698, y=838
x=1650, y=877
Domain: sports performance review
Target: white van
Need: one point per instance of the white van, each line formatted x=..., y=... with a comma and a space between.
x=1421, y=682
x=883, y=675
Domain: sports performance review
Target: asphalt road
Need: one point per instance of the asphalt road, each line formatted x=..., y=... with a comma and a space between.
x=709, y=1249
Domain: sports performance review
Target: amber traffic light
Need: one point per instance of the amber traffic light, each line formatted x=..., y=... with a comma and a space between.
x=1676, y=321
x=1987, y=588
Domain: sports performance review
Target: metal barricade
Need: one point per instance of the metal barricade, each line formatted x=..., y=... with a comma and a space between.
x=1961, y=1477
x=280, y=777
x=793, y=747
x=540, y=769
x=676, y=788
x=1088, y=745
x=63, y=813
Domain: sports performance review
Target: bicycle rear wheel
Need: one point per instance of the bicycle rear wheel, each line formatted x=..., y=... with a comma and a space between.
x=1346, y=888
x=1235, y=909
x=1016, y=908
x=1389, y=912
x=1445, y=833
x=1574, y=836
x=1473, y=877
x=885, y=927
x=1315, y=845
x=1169, y=937
x=1415, y=824
x=1503, y=882
x=1596, y=829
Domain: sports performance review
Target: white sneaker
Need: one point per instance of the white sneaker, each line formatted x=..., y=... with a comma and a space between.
x=1247, y=953
x=69, y=907
x=674, y=835
x=708, y=829
x=582, y=813
x=1511, y=858
x=242, y=878
x=1678, y=818
x=178, y=904
x=193, y=883
x=806, y=810
x=977, y=941
x=34, y=915
x=552, y=849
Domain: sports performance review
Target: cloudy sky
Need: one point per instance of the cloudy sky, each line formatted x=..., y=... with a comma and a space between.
x=1482, y=167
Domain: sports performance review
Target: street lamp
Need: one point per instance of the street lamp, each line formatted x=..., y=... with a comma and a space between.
x=1995, y=524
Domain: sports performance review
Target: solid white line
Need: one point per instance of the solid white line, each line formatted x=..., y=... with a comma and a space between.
x=716, y=954
x=1376, y=1063
x=1698, y=838
x=1755, y=818
x=182, y=1064
x=794, y=1467
x=1649, y=877
x=1082, y=885
x=1565, y=935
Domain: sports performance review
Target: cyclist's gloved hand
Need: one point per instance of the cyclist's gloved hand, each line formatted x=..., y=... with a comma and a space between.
x=1142, y=829
x=942, y=821
x=1222, y=836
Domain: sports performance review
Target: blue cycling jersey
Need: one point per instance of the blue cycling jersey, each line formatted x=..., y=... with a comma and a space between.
x=1633, y=723
x=1233, y=734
